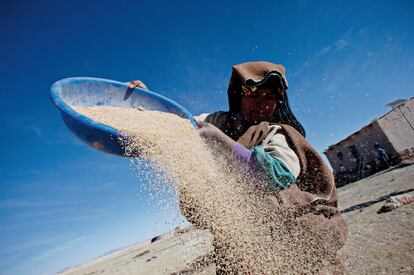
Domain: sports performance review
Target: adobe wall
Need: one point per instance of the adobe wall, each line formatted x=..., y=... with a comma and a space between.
x=398, y=126
x=349, y=168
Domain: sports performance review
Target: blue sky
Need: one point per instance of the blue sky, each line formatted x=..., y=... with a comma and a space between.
x=62, y=203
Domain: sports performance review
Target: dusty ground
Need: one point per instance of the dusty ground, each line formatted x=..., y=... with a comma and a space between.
x=377, y=244
x=169, y=254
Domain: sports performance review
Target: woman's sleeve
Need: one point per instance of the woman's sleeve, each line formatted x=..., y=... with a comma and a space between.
x=216, y=118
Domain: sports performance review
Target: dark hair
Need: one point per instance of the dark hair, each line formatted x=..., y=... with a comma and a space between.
x=283, y=114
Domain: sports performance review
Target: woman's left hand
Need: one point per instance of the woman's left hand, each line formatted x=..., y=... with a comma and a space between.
x=137, y=83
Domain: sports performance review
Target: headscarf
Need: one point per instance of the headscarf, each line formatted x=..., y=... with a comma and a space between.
x=250, y=76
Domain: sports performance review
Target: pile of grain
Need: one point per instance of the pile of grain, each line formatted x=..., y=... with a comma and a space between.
x=252, y=234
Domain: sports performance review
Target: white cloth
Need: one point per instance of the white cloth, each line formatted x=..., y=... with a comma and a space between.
x=274, y=144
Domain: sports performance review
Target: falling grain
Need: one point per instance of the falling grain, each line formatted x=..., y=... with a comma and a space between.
x=252, y=234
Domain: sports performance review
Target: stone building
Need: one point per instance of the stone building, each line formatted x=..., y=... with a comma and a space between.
x=387, y=140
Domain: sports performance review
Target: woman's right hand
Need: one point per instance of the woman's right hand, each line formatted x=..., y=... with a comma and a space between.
x=137, y=83
x=209, y=131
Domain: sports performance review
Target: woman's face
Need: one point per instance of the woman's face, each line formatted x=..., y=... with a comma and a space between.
x=258, y=106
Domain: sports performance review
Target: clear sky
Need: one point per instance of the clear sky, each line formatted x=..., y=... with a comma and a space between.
x=62, y=203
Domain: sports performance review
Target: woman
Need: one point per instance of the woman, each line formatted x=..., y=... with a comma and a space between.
x=261, y=130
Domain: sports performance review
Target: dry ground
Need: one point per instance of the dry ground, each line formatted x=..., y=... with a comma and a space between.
x=377, y=243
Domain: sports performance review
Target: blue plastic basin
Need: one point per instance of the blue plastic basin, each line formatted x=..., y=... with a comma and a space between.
x=87, y=91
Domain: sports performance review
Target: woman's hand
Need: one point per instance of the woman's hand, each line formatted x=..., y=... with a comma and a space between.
x=209, y=131
x=137, y=83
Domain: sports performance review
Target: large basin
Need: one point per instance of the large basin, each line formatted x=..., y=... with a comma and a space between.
x=87, y=91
